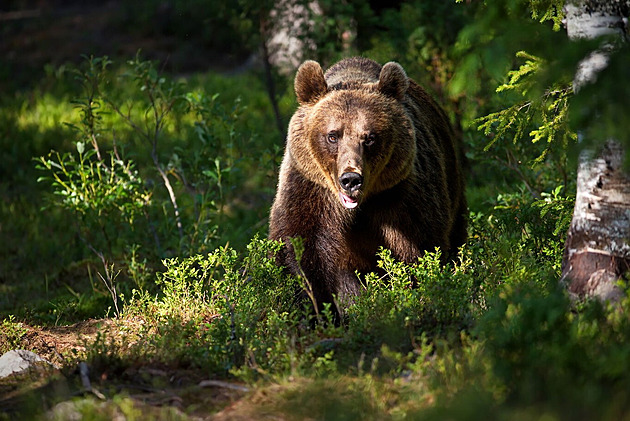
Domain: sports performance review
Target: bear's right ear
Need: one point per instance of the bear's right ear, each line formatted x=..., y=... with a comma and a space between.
x=310, y=84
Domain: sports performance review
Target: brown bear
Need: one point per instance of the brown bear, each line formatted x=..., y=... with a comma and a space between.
x=370, y=161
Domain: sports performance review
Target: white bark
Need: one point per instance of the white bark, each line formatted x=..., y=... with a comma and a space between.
x=602, y=203
x=591, y=19
x=585, y=20
x=289, y=45
x=597, y=251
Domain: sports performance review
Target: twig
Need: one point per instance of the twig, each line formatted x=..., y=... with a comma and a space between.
x=153, y=140
x=85, y=381
x=171, y=192
x=224, y=385
x=96, y=148
x=304, y=282
x=108, y=280
x=510, y=163
x=271, y=86
x=83, y=373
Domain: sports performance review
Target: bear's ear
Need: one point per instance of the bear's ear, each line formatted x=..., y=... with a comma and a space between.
x=310, y=84
x=393, y=81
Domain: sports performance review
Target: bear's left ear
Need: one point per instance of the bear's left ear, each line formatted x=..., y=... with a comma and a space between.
x=310, y=84
x=393, y=81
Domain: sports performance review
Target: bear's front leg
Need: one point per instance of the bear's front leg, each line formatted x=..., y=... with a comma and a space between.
x=329, y=273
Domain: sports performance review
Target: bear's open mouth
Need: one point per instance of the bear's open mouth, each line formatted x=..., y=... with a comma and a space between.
x=348, y=201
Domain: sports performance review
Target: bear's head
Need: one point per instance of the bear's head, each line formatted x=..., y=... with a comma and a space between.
x=352, y=133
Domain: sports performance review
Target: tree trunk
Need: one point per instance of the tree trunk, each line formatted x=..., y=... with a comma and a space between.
x=597, y=250
x=269, y=81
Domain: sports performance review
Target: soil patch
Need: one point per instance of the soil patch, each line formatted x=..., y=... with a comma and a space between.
x=58, y=343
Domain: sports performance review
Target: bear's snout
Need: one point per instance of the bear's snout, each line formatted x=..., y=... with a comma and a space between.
x=351, y=181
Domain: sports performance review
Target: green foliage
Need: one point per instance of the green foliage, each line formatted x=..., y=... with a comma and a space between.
x=241, y=314
x=112, y=201
x=540, y=118
x=539, y=346
x=540, y=225
x=486, y=41
x=548, y=10
x=11, y=334
x=531, y=136
x=112, y=195
x=403, y=343
x=221, y=312
x=94, y=188
x=407, y=300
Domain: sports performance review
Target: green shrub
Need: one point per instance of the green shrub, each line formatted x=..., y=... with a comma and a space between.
x=221, y=312
x=11, y=334
x=539, y=346
x=154, y=171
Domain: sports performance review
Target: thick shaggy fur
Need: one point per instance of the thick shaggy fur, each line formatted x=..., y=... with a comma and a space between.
x=373, y=121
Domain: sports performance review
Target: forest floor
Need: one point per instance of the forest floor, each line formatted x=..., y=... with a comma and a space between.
x=56, y=342
x=156, y=390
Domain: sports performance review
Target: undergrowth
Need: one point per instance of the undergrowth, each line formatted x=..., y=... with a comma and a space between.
x=491, y=333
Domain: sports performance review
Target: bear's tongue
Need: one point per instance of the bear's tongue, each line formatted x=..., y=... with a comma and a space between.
x=347, y=201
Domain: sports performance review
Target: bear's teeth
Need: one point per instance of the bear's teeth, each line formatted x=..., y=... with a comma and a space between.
x=347, y=201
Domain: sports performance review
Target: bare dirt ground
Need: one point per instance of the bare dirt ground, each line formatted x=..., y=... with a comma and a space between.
x=55, y=344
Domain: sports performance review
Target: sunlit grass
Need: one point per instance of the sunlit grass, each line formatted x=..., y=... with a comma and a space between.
x=46, y=112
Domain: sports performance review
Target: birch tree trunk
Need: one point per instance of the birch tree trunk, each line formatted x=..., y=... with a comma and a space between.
x=597, y=250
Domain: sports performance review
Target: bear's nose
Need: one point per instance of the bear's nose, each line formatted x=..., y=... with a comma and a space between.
x=350, y=181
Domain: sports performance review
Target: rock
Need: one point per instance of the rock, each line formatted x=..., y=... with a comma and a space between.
x=17, y=361
x=68, y=410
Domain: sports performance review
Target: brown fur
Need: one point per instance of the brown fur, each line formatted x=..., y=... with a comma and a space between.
x=376, y=122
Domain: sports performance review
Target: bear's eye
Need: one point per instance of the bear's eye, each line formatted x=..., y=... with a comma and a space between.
x=332, y=137
x=370, y=139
